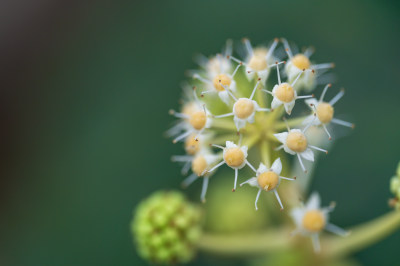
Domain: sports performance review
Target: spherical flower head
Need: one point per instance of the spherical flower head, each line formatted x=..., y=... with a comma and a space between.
x=325, y=112
x=199, y=164
x=296, y=141
x=166, y=228
x=258, y=61
x=313, y=221
x=284, y=92
x=198, y=119
x=268, y=180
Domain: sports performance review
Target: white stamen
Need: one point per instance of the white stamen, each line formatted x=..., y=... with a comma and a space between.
x=301, y=163
x=257, y=197
x=182, y=136
x=212, y=169
x=179, y=115
x=224, y=115
x=278, y=198
x=272, y=48
x=248, y=47
x=181, y=158
x=236, y=69
x=323, y=66
x=304, y=96
x=264, y=110
x=217, y=146
x=228, y=90
x=309, y=124
x=294, y=82
x=326, y=131
x=308, y=52
x=279, y=148
x=197, y=76
x=315, y=242
x=236, y=176
x=264, y=90
x=252, y=168
x=318, y=149
x=341, y=122
x=337, y=97
x=336, y=230
x=189, y=180
x=254, y=90
x=324, y=92
x=287, y=178
x=204, y=190
x=287, y=48
x=186, y=168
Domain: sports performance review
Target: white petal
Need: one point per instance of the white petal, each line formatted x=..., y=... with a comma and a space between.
x=289, y=107
x=250, y=119
x=230, y=144
x=312, y=101
x=275, y=103
x=274, y=89
x=244, y=150
x=308, y=120
x=224, y=95
x=250, y=75
x=286, y=148
x=253, y=182
x=281, y=136
x=240, y=123
x=261, y=169
x=308, y=155
x=297, y=216
x=232, y=87
x=277, y=166
x=263, y=74
x=313, y=202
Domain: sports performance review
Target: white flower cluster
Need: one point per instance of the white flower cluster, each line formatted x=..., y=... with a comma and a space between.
x=229, y=87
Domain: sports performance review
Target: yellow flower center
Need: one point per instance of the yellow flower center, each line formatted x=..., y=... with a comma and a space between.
x=268, y=180
x=285, y=93
x=199, y=165
x=314, y=221
x=296, y=141
x=234, y=157
x=258, y=61
x=220, y=81
x=189, y=108
x=191, y=145
x=325, y=112
x=243, y=108
x=198, y=120
x=301, y=61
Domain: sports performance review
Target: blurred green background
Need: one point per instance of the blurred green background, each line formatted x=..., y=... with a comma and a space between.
x=85, y=90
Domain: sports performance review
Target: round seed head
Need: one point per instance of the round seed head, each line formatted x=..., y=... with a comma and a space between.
x=258, y=61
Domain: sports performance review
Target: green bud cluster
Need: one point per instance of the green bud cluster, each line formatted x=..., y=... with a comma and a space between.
x=166, y=228
x=395, y=188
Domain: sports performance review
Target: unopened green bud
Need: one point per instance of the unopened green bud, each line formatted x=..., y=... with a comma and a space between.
x=166, y=228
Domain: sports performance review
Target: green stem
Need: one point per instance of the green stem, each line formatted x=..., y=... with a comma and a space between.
x=245, y=245
x=265, y=153
x=224, y=124
x=251, y=140
x=291, y=122
x=363, y=235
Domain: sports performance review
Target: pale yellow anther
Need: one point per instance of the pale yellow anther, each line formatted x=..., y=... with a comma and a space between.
x=301, y=61
x=199, y=165
x=258, y=61
x=243, y=108
x=191, y=145
x=198, y=120
x=220, y=81
x=296, y=141
x=285, y=93
x=268, y=180
x=234, y=157
x=314, y=221
x=325, y=112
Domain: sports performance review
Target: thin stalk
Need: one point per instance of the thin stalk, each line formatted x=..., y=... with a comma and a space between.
x=291, y=122
x=265, y=153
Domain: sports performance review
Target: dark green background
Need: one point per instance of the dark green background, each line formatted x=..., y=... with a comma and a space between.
x=84, y=99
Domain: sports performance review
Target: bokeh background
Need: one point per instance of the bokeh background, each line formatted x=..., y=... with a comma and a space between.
x=84, y=94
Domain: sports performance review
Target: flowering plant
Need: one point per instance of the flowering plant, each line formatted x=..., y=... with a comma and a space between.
x=235, y=113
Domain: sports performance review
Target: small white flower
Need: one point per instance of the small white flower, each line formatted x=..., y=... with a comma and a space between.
x=195, y=119
x=218, y=77
x=234, y=156
x=295, y=142
x=244, y=109
x=257, y=60
x=324, y=111
x=268, y=180
x=284, y=93
x=300, y=61
x=311, y=219
x=199, y=163
x=217, y=64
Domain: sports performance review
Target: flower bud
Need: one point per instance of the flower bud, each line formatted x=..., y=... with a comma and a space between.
x=166, y=228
